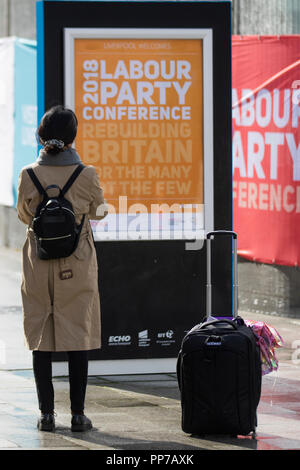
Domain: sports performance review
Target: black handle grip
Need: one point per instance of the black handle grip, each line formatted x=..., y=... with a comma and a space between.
x=214, y=322
x=220, y=233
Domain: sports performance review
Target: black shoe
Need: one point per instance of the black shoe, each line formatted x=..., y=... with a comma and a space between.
x=46, y=422
x=80, y=423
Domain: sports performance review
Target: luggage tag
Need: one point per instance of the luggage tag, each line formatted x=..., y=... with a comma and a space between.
x=65, y=271
x=66, y=274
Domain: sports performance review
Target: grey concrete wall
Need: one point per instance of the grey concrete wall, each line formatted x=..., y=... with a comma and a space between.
x=265, y=17
x=12, y=230
x=17, y=18
x=269, y=289
x=4, y=18
x=22, y=18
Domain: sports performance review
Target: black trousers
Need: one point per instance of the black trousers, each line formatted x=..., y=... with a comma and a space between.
x=78, y=374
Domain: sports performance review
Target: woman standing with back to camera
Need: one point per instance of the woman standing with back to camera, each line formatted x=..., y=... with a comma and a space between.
x=61, y=306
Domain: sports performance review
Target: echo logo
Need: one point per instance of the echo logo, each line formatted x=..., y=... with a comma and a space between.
x=119, y=339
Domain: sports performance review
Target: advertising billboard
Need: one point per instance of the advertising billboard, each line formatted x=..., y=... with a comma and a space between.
x=150, y=83
x=17, y=112
x=139, y=97
x=266, y=150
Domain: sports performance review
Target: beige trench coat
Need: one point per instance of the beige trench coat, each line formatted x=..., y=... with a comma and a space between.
x=61, y=315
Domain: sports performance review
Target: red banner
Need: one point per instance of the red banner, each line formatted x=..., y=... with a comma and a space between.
x=266, y=148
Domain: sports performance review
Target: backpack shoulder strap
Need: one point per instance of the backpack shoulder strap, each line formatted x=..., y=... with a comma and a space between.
x=36, y=182
x=72, y=178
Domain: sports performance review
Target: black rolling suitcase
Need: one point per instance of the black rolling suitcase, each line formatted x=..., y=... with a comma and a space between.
x=219, y=368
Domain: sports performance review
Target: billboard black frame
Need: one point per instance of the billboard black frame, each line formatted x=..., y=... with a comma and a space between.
x=160, y=280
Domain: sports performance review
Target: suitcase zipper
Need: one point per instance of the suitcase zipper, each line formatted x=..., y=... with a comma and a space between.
x=55, y=238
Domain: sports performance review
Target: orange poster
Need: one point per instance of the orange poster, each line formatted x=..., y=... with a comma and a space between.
x=139, y=106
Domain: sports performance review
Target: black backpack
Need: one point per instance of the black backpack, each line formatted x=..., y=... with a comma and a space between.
x=55, y=229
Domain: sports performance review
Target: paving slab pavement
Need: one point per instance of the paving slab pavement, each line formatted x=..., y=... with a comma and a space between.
x=134, y=412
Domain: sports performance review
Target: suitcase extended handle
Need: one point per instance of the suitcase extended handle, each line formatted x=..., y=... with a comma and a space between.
x=209, y=236
x=221, y=232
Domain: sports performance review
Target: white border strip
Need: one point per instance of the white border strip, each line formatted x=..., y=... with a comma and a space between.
x=70, y=34
x=122, y=367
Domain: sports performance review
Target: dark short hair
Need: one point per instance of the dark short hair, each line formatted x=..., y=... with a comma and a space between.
x=58, y=123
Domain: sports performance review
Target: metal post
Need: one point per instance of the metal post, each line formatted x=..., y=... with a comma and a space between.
x=208, y=277
x=235, y=279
